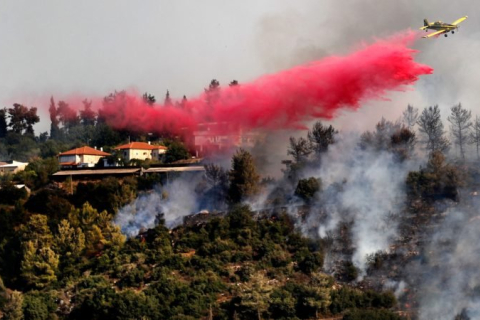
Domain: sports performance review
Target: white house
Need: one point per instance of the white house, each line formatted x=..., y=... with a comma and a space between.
x=12, y=166
x=140, y=151
x=81, y=157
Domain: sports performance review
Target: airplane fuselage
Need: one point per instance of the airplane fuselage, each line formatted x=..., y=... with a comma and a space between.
x=439, y=25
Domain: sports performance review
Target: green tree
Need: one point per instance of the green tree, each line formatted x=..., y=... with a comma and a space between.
x=460, y=126
x=244, y=179
x=3, y=123
x=307, y=189
x=217, y=179
x=282, y=304
x=475, y=136
x=320, y=288
x=13, y=309
x=40, y=262
x=22, y=119
x=431, y=126
x=168, y=101
x=55, y=132
x=149, y=98
x=67, y=116
x=100, y=233
x=299, y=149
x=69, y=241
x=255, y=295
x=320, y=137
x=41, y=169
x=39, y=305
x=410, y=117
x=87, y=115
x=176, y=151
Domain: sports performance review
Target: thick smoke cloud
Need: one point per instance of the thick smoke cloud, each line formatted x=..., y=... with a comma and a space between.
x=171, y=203
x=449, y=275
x=362, y=186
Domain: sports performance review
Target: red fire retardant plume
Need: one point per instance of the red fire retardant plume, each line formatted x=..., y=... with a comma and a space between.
x=288, y=98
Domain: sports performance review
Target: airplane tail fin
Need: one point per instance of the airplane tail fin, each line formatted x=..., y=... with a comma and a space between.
x=425, y=22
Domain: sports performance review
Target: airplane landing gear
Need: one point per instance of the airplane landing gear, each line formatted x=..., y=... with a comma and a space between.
x=446, y=35
x=453, y=32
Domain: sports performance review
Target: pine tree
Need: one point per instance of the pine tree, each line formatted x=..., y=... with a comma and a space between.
x=168, y=101
x=3, y=123
x=40, y=262
x=460, y=126
x=244, y=178
x=13, y=309
x=431, y=126
x=475, y=135
x=410, y=116
x=87, y=115
x=54, y=129
x=320, y=137
x=299, y=149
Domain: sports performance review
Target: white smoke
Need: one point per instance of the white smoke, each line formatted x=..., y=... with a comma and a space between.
x=173, y=201
x=365, y=187
x=450, y=280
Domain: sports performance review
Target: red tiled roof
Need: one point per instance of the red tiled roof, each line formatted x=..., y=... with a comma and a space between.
x=84, y=150
x=139, y=146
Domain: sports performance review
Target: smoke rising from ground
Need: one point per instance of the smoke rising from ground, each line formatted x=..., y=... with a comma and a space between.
x=171, y=202
x=449, y=276
x=362, y=186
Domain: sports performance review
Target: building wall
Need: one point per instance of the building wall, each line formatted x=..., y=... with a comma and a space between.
x=13, y=168
x=69, y=158
x=139, y=154
x=91, y=160
x=157, y=154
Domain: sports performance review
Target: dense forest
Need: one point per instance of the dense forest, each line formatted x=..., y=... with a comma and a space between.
x=63, y=257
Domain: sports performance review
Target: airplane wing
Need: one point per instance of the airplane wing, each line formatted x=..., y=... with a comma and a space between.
x=433, y=34
x=460, y=20
x=423, y=28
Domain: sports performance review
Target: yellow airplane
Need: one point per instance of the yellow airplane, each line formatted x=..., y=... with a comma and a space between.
x=441, y=27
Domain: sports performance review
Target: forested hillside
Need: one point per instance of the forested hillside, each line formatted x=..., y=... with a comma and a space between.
x=356, y=227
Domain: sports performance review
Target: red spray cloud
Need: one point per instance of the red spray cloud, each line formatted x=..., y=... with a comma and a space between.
x=285, y=99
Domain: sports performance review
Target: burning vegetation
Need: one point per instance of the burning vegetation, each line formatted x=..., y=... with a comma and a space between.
x=368, y=225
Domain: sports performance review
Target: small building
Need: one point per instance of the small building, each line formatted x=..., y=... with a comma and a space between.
x=81, y=157
x=213, y=137
x=12, y=167
x=141, y=151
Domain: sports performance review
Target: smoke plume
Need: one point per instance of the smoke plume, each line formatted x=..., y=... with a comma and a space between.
x=171, y=203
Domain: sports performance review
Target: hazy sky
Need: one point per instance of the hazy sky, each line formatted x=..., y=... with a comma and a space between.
x=94, y=47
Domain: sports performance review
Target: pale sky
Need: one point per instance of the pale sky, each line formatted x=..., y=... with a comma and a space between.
x=61, y=48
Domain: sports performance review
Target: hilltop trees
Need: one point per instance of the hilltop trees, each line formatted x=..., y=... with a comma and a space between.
x=308, y=188
x=438, y=180
x=410, y=116
x=391, y=137
x=431, y=126
x=299, y=149
x=460, y=125
x=22, y=119
x=320, y=137
x=217, y=178
x=176, y=151
x=244, y=178
x=3, y=123
x=475, y=135
x=39, y=262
